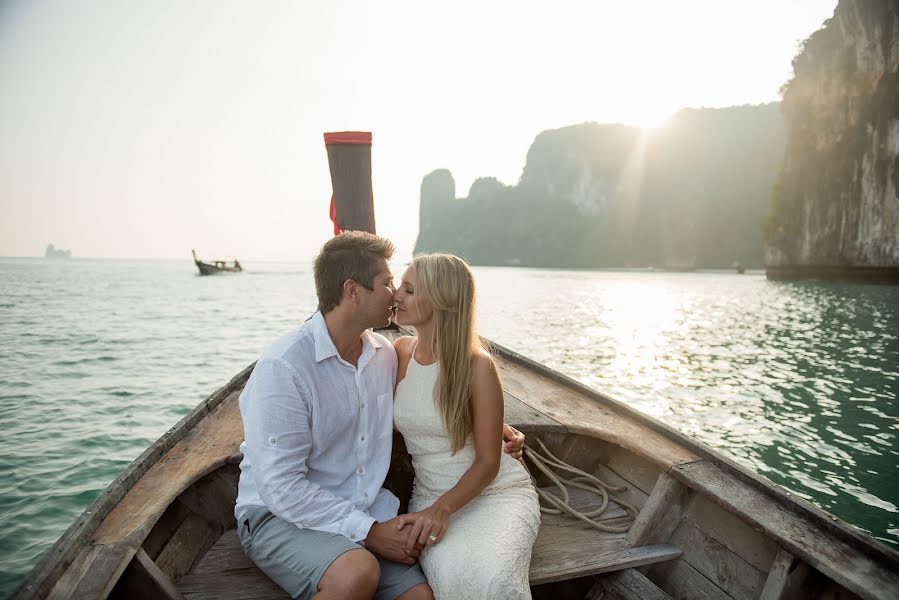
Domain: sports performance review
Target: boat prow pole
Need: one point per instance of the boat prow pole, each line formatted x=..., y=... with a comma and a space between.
x=349, y=159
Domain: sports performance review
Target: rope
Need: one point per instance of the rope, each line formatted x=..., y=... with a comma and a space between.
x=583, y=481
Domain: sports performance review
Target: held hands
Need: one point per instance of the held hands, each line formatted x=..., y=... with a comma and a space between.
x=513, y=442
x=424, y=528
x=387, y=540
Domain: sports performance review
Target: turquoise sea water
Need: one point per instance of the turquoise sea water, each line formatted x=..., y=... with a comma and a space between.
x=798, y=381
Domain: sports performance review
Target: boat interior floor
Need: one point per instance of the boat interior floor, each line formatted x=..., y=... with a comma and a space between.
x=565, y=549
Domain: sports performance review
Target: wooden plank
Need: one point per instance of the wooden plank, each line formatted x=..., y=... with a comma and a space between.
x=718, y=564
x=225, y=555
x=776, y=583
x=682, y=582
x=630, y=584
x=524, y=418
x=213, y=497
x=642, y=473
x=165, y=528
x=581, y=412
x=632, y=493
x=562, y=553
x=825, y=549
x=95, y=572
x=143, y=580
x=206, y=448
x=662, y=513
x=724, y=527
x=247, y=584
x=188, y=545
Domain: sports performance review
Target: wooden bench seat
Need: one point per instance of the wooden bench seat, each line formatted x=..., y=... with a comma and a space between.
x=565, y=549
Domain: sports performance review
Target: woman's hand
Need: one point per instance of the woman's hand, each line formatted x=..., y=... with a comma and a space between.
x=426, y=528
x=513, y=442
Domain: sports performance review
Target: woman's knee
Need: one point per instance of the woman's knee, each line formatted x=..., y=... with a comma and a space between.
x=353, y=574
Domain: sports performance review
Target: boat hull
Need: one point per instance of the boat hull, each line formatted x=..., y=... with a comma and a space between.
x=706, y=527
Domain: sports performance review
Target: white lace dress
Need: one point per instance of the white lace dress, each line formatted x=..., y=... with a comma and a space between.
x=486, y=551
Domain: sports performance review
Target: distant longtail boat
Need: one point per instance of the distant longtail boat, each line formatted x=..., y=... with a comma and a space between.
x=216, y=267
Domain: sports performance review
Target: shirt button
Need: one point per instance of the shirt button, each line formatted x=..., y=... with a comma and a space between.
x=363, y=438
x=360, y=470
x=352, y=536
x=363, y=405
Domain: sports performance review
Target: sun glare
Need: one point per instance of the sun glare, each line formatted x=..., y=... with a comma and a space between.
x=652, y=121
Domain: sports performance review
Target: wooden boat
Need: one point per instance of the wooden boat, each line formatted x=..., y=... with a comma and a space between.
x=216, y=267
x=706, y=528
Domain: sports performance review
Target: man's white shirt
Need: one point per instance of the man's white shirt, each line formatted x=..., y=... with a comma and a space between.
x=318, y=432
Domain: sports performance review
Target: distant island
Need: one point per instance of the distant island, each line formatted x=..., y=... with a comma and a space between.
x=53, y=252
x=694, y=194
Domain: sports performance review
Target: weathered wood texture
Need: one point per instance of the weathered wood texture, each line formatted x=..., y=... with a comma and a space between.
x=72, y=550
x=581, y=413
x=725, y=528
x=718, y=564
x=630, y=584
x=682, y=582
x=776, y=583
x=841, y=557
x=143, y=580
x=206, y=448
x=114, y=543
x=662, y=513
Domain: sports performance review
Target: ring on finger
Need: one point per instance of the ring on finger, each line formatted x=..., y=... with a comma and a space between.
x=432, y=537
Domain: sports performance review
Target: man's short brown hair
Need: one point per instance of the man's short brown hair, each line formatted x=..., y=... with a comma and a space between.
x=350, y=255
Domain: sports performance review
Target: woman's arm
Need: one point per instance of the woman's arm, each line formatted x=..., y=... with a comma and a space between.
x=403, y=347
x=487, y=409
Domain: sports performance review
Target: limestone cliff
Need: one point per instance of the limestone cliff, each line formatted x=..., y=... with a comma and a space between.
x=693, y=194
x=835, y=211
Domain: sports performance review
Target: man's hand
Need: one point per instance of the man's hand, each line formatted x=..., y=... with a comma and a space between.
x=388, y=541
x=514, y=441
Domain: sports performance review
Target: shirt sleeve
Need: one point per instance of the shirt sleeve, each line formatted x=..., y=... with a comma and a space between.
x=277, y=428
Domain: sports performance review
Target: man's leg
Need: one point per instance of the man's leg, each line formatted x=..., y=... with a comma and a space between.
x=299, y=560
x=421, y=591
x=402, y=582
x=353, y=574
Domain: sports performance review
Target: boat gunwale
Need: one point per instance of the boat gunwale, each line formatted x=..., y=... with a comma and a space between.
x=47, y=572
x=832, y=524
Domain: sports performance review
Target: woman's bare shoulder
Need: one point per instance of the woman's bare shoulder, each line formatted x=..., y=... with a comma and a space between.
x=403, y=345
x=483, y=366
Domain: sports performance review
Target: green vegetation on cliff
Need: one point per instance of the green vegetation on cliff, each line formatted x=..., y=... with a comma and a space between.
x=692, y=194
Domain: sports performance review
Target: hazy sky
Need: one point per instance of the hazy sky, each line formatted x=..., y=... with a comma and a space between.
x=145, y=129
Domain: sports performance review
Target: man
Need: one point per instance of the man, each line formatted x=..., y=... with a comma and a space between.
x=318, y=431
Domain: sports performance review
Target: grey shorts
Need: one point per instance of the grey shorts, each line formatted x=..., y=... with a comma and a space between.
x=296, y=559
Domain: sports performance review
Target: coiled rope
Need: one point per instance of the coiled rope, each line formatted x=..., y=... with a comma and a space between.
x=584, y=481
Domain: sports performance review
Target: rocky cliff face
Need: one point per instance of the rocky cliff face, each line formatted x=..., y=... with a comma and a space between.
x=693, y=194
x=836, y=205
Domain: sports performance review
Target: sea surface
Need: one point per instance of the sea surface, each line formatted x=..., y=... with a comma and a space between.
x=797, y=381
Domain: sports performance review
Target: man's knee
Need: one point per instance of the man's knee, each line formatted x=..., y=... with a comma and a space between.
x=354, y=574
x=422, y=591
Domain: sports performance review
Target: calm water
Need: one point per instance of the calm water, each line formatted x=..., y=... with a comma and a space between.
x=797, y=381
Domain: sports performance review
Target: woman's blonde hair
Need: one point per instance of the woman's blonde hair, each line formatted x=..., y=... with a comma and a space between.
x=446, y=283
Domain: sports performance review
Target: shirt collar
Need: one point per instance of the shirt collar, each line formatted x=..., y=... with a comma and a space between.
x=324, y=345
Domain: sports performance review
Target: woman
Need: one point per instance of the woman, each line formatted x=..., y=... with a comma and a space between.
x=475, y=508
